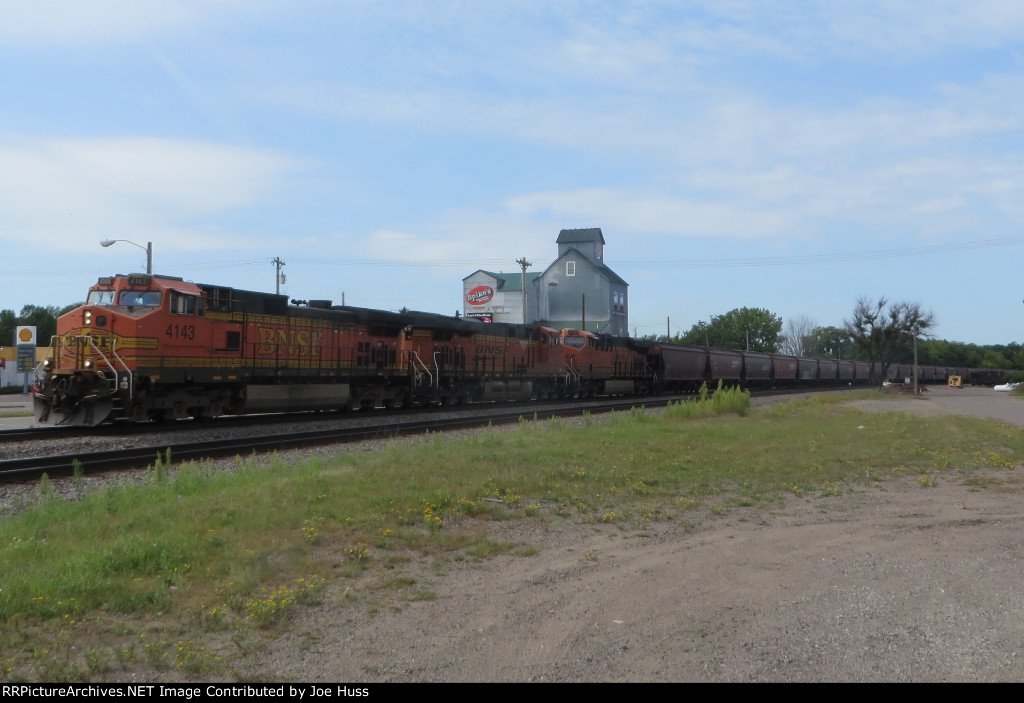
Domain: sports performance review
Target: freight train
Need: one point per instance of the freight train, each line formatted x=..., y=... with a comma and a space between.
x=149, y=347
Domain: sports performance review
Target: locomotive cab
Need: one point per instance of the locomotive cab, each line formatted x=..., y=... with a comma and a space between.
x=599, y=364
x=576, y=340
x=100, y=347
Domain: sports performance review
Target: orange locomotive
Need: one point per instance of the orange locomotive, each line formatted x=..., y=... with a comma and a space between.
x=157, y=347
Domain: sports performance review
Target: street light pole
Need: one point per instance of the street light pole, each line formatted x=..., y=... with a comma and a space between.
x=148, y=249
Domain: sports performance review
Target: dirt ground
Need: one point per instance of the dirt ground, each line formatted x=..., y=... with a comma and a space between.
x=898, y=583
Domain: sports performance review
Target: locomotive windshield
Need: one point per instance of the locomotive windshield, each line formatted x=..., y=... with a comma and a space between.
x=574, y=342
x=101, y=297
x=144, y=298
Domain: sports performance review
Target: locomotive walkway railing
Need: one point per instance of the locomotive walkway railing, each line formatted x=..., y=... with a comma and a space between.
x=419, y=371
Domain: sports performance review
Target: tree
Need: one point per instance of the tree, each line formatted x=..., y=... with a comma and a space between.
x=743, y=328
x=798, y=337
x=883, y=330
x=942, y=353
x=43, y=318
x=831, y=343
x=8, y=325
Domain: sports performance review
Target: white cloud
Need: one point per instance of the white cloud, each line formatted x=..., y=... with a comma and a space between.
x=59, y=192
x=79, y=23
x=647, y=210
x=466, y=239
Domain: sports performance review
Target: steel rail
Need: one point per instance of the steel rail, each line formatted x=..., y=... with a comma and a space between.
x=31, y=468
x=141, y=457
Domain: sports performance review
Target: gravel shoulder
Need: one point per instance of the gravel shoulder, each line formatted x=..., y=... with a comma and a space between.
x=897, y=583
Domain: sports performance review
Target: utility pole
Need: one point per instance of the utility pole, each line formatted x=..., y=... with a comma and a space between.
x=524, y=264
x=279, y=277
x=915, y=360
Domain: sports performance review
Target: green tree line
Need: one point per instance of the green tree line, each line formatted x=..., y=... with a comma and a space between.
x=757, y=329
x=42, y=317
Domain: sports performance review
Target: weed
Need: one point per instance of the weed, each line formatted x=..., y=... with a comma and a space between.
x=271, y=608
x=45, y=487
x=431, y=519
x=77, y=473
x=310, y=531
x=358, y=553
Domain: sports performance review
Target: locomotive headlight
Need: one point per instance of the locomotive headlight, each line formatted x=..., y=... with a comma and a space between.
x=88, y=363
x=88, y=317
x=47, y=364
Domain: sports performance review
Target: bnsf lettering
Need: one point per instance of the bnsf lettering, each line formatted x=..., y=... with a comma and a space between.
x=491, y=348
x=288, y=341
x=83, y=343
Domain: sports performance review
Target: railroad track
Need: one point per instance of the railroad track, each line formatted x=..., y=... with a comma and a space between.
x=188, y=426
x=31, y=434
x=139, y=457
x=31, y=468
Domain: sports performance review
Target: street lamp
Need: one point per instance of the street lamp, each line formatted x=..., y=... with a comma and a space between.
x=148, y=249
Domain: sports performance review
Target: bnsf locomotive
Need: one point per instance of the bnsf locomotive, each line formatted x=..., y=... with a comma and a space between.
x=147, y=347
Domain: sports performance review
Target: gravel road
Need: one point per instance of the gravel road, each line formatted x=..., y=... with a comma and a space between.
x=899, y=583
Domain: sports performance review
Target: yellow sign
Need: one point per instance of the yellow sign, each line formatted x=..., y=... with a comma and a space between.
x=25, y=335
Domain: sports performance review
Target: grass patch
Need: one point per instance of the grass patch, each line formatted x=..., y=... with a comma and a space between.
x=193, y=568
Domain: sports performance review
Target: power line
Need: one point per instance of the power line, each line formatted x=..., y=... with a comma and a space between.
x=798, y=260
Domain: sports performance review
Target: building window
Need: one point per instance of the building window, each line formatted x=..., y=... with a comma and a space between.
x=570, y=268
x=619, y=303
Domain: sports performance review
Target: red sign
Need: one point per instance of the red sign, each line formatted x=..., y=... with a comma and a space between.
x=480, y=295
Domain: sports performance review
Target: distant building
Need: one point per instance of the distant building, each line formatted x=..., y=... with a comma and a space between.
x=494, y=297
x=576, y=291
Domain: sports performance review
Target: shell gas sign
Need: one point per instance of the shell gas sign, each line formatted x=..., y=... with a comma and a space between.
x=25, y=336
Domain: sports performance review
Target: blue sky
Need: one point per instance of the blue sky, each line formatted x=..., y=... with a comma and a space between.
x=787, y=155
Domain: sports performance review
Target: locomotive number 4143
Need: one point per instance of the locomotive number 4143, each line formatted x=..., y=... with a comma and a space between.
x=181, y=332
